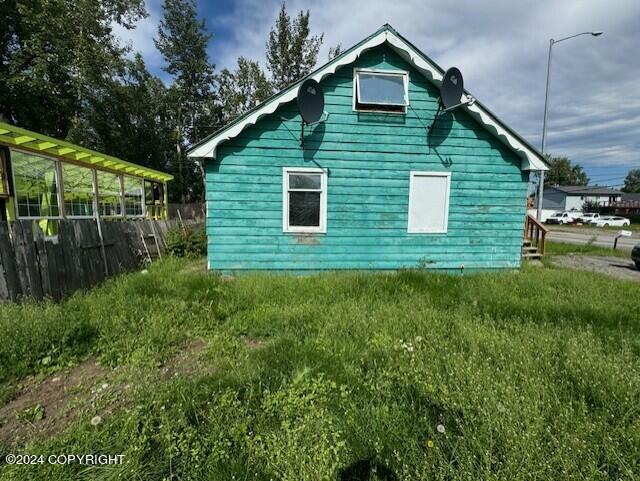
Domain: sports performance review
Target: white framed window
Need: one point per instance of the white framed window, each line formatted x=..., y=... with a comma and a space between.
x=78, y=190
x=380, y=90
x=36, y=185
x=429, y=202
x=304, y=202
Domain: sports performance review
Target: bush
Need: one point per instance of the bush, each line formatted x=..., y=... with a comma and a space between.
x=185, y=242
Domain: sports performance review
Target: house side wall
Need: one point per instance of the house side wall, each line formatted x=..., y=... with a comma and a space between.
x=554, y=199
x=369, y=157
x=574, y=202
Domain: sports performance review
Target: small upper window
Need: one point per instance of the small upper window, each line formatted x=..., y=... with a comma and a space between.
x=305, y=200
x=381, y=91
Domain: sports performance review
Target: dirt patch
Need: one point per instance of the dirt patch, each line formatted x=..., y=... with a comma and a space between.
x=43, y=408
x=611, y=266
x=189, y=361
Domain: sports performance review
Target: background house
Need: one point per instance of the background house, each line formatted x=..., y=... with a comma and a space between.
x=627, y=206
x=571, y=197
x=371, y=189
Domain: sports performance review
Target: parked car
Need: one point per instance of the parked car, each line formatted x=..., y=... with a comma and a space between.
x=635, y=255
x=588, y=217
x=559, y=218
x=612, y=221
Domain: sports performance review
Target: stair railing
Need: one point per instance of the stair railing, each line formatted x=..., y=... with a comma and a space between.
x=536, y=233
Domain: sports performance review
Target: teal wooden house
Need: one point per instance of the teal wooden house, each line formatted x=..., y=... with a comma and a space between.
x=371, y=188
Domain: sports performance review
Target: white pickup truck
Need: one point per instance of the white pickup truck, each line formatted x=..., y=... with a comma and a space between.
x=567, y=217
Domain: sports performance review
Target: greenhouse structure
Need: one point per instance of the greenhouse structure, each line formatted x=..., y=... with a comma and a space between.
x=46, y=179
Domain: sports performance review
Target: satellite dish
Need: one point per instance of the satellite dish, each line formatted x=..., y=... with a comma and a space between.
x=451, y=91
x=310, y=101
x=452, y=88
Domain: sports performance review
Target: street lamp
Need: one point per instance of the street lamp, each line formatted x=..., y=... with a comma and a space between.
x=546, y=110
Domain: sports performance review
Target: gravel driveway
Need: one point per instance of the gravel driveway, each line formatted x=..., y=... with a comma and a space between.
x=612, y=266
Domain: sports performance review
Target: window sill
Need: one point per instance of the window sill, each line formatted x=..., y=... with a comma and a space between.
x=381, y=111
x=304, y=232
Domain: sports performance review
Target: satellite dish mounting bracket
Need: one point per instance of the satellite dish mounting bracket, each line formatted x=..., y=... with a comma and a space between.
x=325, y=117
x=470, y=101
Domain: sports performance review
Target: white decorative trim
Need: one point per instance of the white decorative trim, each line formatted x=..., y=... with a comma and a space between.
x=322, y=228
x=414, y=174
x=530, y=158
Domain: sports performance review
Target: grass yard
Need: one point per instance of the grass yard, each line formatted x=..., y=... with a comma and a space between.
x=564, y=248
x=531, y=375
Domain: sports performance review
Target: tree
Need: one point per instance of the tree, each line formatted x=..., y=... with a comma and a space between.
x=632, y=181
x=335, y=51
x=52, y=54
x=243, y=89
x=291, y=53
x=182, y=40
x=591, y=206
x=562, y=172
x=128, y=117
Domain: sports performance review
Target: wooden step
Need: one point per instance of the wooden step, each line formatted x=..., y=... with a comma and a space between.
x=531, y=256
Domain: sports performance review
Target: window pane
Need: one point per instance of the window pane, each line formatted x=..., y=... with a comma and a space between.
x=77, y=183
x=154, y=198
x=381, y=89
x=304, y=209
x=109, y=194
x=35, y=184
x=305, y=181
x=133, y=192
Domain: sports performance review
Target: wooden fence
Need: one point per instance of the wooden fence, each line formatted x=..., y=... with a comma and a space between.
x=194, y=211
x=80, y=256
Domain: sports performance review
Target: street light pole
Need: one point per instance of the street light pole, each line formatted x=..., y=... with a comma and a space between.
x=546, y=113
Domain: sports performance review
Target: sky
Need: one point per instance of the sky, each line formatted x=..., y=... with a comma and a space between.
x=501, y=47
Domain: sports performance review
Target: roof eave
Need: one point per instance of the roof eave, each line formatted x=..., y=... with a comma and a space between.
x=531, y=159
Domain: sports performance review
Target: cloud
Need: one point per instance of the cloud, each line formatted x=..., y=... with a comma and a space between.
x=140, y=38
x=501, y=47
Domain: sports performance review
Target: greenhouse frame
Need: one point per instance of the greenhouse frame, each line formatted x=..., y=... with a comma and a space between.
x=46, y=179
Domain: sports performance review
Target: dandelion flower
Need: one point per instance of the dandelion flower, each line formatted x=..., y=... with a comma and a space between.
x=440, y=428
x=430, y=444
x=96, y=420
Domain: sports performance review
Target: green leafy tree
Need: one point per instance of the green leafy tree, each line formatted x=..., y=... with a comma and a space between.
x=52, y=55
x=128, y=116
x=591, y=206
x=291, y=51
x=182, y=39
x=632, y=181
x=335, y=51
x=562, y=172
x=243, y=89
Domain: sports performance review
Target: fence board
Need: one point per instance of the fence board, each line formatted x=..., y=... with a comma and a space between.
x=32, y=264
x=26, y=259
x=43, y=262
x=8, y=260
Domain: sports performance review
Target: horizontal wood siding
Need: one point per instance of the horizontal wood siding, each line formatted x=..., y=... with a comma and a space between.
x=369, y=157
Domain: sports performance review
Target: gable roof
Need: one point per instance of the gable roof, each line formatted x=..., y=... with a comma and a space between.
x=531, y=158
x=585, y=190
